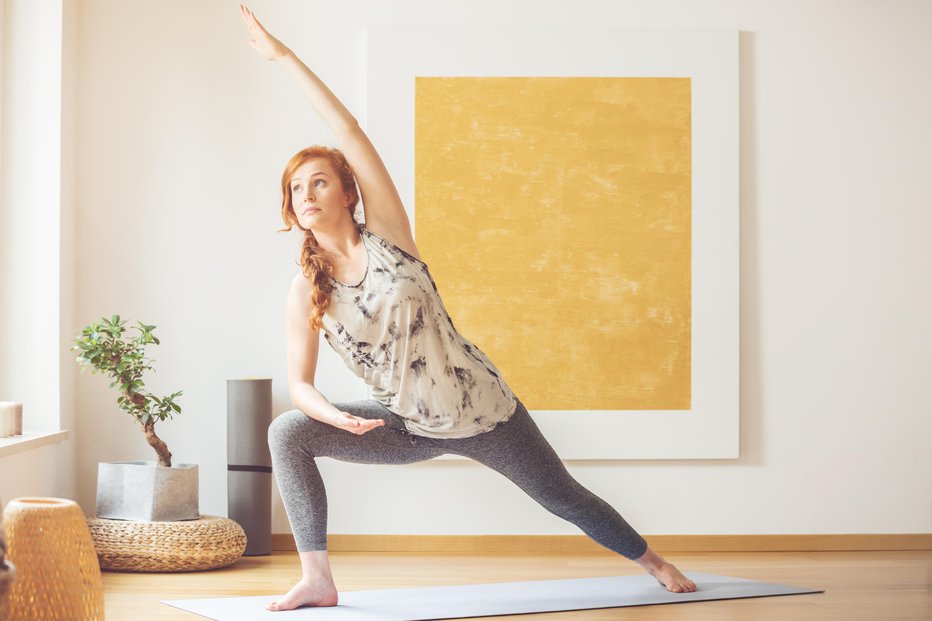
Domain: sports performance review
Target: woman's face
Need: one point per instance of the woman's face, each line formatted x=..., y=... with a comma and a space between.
x=317, y=195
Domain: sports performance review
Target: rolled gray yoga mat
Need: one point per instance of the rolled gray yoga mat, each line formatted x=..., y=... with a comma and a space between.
x=249, y=464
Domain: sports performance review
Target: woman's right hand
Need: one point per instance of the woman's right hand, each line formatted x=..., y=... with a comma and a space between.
x=265, y=44
x=356, y=424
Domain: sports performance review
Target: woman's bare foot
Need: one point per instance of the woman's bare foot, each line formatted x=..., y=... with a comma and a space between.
x=307, y=592
x=666, y=574
x=670, y=578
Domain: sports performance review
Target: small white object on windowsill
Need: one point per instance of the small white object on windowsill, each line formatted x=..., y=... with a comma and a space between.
x=11, y=419
x=18, y=416
x=7, y=414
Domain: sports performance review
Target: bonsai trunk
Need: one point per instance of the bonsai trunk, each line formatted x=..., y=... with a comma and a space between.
x=161, y=449
x=165, y=457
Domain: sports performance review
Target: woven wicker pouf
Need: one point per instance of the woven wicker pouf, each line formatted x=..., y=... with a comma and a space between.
x=57, y=576
x=7, y=576
x=208, y=542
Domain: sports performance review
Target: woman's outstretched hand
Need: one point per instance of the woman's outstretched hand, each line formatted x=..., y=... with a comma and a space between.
x=357, y=424
x=265, y=44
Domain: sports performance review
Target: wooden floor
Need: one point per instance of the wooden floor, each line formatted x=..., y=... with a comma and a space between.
x=883, y=586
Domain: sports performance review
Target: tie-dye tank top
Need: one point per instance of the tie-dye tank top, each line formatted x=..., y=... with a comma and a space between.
x=392, y=330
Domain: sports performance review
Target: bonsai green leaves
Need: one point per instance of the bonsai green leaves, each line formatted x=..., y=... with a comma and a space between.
x=108, y=347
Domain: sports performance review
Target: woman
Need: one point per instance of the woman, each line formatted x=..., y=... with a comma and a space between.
x=434, y=392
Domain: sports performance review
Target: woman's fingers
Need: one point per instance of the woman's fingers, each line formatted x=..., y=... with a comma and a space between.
x=252, y=19
x=368, y=425
x=358, y=425
x=249, y=25
x=251, y=22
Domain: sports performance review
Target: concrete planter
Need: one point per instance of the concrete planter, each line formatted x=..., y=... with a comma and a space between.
x=143, y=491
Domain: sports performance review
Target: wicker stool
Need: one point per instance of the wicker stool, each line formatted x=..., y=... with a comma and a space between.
x=208, y=542
x=57, y=576
x=7, y=575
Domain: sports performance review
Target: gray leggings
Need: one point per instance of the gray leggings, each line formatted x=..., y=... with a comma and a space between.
x=516, y=449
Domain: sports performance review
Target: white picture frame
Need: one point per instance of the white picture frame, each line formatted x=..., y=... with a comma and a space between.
x=710, y=429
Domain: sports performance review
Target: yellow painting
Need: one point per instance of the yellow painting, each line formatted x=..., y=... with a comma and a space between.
x=555, y=216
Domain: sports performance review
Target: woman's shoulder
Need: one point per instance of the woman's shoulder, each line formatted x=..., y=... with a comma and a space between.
x=300, y=283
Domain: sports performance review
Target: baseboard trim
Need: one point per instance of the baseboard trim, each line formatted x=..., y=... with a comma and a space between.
x=581, y=544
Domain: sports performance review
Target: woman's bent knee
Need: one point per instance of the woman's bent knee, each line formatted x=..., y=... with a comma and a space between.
x=286, y=427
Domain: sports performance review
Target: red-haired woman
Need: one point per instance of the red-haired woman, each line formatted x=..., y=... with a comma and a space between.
x=366, y=287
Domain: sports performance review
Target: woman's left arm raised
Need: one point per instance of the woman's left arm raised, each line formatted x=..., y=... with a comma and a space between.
x=385, y=213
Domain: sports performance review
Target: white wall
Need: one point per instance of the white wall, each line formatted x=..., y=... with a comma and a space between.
x=182, y=132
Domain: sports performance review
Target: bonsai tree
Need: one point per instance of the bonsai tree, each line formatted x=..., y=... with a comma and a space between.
x=105, y=349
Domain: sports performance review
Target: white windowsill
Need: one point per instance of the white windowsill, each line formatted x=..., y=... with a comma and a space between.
x=28, y=441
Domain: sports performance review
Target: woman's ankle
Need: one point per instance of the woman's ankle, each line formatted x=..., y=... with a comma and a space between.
x=650, y=560
x=315, y=564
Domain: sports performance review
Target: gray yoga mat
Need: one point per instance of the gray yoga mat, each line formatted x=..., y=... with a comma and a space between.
x=249, y=463
x=505, y=598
